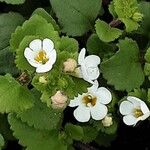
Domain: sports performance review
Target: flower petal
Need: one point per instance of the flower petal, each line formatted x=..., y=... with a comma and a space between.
x=126, y=107
x=92, y=61
x=76, y=101
x=36, y=45
x=94, y=87
x=99, y=111
x=87, y=76
x=136, y=101
x=144, y=108
x=130, y=120
x=145, y=116
x=82, y=114
x=103, y=95
x=29, y=54
x=81, y=56
x=93, y=72
x=44, y=68
x=48, y=45
x=52, y=56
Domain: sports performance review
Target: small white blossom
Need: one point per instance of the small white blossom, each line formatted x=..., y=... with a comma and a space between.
x=89, y=70
x=59, y=100
x=134, y=110
x=91, y=104
x=41, y=55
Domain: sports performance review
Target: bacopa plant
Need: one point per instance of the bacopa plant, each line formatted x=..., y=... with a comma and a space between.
x=72, y=71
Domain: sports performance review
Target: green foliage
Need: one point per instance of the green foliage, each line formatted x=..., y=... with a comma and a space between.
x=7, y=64
x=128, y=13
x=76, y=17
x=69, y=45
x=144, y=8
x=148, y=97
x=105, y=32
x=40, y=116
x=35, y=139
x=147, y=64
x=98, y=125
x=140, y=93
x=41, y=12
x=5, y=128
x=13, y=96
x=90, y=134
x=74, y=131
x=14, y=2
x=35, y=26
x=105, y=139
x=97, y=47
x=1, y=142
x=59, y=80
x=112, y=9
x=120, y=69
x=8, y=23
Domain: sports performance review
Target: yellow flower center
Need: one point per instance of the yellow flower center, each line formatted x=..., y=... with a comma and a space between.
x=138, y=113
x=88, y=100
x=41, y=57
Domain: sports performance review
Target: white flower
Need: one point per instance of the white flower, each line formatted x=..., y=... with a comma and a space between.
x=133, y=110
x=88, y=66
x=91, y=104
x=41, y=55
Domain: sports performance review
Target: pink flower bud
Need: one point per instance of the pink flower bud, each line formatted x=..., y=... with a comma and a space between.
x=59, y=100
x=70, y=65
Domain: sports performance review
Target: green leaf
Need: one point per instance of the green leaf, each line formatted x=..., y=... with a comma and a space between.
x=7, y=64
x=98, y=125
x=97, y=47
x=105, y=139
x=90, y=134
x=76, y=17
x=131, y=25
x=123, y=70
x=35, y=26
x=69, y=45
x=140, y=93
x=112, y=9
x=128, y=13
x=14, y=2
x=8, y=23
x=40, y=116
x=144, y=8
x=1, y=142
x=41, y=12
x=35, y=139
x=74, y=131
x=147, y=64
x=13, y=96
x=148, y=97
x=105, y=32
x=5, y=128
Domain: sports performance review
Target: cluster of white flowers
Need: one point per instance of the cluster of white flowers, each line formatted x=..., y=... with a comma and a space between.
x=42, y=55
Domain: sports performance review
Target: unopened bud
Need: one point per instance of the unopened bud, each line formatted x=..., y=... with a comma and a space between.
x=70, y=65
